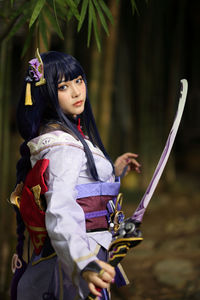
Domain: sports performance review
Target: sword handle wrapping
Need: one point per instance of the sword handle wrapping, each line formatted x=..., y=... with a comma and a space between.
x=127, y=236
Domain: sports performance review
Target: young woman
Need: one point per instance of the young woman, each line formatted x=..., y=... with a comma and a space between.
x=65, y=185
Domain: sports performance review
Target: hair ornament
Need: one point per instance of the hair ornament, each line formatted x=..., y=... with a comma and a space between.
x=36, y=74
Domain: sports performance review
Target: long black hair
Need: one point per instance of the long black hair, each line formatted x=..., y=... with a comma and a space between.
x=46, y=107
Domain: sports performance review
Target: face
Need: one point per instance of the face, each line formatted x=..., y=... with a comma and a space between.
x=72, y=96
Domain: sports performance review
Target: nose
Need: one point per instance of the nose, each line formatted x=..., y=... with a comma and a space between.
x=75, y=91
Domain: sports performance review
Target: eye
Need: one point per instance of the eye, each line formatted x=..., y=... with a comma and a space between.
x=62, y=87
x=79, y=80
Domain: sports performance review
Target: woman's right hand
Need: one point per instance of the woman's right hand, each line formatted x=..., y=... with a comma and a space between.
x=100, y=281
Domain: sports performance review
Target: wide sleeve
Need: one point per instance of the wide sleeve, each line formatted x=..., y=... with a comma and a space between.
x=65, y=221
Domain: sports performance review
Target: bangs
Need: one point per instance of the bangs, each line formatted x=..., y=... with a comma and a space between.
x=67, y=72
x=59, y=66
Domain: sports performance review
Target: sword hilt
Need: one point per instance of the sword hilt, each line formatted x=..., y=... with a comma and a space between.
x=127, y=236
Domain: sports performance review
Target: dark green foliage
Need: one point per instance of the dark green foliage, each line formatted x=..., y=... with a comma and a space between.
x=41, y=16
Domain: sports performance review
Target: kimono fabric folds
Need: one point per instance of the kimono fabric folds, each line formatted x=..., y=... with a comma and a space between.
x=76, y=224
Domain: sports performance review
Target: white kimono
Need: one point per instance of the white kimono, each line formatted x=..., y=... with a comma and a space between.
x=64, y=218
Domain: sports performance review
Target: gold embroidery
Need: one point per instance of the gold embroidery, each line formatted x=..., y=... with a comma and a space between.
x=43, y=259
x=115, y=216
x=36, y=152
x=74, y=273
x=16, y=194
x=89, y=255
x=38, y=240
x=36, y=192
x=35, y=228
x=123, y=273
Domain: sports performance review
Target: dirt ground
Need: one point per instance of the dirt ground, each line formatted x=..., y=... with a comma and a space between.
x=166, y=265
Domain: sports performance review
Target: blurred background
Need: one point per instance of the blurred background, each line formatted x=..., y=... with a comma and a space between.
x=134, y=84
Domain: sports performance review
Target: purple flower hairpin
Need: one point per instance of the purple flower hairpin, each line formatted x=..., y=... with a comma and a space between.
x=37, y=70
x=36, y=75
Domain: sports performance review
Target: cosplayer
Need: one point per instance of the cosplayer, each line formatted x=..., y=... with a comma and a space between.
x=66, y=187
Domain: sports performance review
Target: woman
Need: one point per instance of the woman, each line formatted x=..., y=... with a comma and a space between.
x=65, y=185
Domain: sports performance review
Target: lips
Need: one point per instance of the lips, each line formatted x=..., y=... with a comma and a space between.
x=78, y=103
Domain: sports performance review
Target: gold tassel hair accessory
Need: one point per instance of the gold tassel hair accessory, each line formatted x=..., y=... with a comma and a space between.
x=36, y=75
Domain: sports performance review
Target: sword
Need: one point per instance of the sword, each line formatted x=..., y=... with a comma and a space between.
x=128, y=234
x=139, y=213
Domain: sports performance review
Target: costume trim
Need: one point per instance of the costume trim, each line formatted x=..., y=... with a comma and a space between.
x=94, y=253
x=74, y=272
x=123, y=273
x=16, y=195
x=35, y=228
x=55, y=145
x=30, y=203
x=56, y=138
x=97, y=189
x=43, y=258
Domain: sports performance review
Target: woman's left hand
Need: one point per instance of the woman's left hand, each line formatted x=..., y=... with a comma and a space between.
x=126, y=160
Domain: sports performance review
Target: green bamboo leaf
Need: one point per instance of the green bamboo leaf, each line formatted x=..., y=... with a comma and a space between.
x=28, y=40
x=54, y=24
x=83, y=13
x=61, y=3
x=61, y=9
x=43, y=30
x=73, y=6
x=134, y=7
x=106, y=10
x=96, y=31
x=39, y=5
x=89, y=22
x=16, y=27
x=25, y=8
x=55, y=13
x=70, y=14
x=101, y=16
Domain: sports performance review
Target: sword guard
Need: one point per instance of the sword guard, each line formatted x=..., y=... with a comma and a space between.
x=127, y=236
x=128, y=228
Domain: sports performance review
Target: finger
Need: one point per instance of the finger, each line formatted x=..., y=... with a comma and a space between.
x=98, y=282
x=94, y=290
x=135, y=163
x=128, y=169
x=137, y=170
x=107, y=277
x=107, y=267
x=130, y=154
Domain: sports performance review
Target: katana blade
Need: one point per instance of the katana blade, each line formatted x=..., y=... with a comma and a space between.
x=139, y=213
x=128, y=234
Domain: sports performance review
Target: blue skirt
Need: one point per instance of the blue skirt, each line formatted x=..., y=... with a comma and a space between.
x=47, y=281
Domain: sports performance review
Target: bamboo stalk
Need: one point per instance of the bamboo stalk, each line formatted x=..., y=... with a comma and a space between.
x=108, y=75
x=5, y=158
